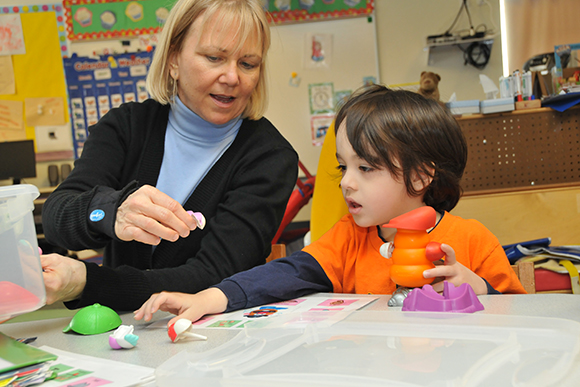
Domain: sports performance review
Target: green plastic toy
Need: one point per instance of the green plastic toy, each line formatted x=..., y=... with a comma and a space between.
x=94, y=319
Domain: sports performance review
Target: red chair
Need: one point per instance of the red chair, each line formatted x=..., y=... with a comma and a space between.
x=299, y=198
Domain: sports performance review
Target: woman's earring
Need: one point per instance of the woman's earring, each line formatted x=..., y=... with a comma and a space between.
x=174, y=76
x=174, y=91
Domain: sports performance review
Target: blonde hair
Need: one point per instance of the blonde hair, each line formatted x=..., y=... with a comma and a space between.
x=250, y=19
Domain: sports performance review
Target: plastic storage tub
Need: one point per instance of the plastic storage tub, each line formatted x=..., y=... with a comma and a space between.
x=391, y=349
x=21, y=283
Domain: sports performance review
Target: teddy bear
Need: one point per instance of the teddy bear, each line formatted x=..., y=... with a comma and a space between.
x=429, y=85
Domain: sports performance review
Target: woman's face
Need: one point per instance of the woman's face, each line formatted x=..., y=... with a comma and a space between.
x=373, y=196
x=214, y=81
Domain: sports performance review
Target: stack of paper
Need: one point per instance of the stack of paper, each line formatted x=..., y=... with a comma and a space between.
x=23, y=364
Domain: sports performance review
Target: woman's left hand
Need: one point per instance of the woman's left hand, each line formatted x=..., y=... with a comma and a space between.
x=64, y=278
x=455, y=273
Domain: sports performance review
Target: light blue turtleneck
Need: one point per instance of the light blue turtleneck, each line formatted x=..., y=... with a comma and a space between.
x=192, y=146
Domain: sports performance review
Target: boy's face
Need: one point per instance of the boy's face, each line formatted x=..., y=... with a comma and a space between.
x=373, y=196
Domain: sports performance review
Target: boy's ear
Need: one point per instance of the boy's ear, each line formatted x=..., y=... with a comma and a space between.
x=422, y=180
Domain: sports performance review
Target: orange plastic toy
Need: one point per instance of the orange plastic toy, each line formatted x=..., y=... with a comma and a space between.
x=413, y=251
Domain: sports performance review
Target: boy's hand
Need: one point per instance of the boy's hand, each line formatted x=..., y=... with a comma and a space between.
x=455, y=273
x=188, y=306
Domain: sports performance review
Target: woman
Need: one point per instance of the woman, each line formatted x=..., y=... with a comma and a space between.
x=200, y=144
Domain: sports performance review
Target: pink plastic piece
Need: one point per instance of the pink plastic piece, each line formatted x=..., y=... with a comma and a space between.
x=199, y=219
x=123, y=337
x=14, y=298
x=113, y=343
x=461, y=299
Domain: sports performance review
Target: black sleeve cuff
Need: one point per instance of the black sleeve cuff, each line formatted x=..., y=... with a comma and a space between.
x=102, y=211
x=490, y=289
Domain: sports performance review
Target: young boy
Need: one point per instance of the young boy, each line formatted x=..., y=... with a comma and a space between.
x=396, y=151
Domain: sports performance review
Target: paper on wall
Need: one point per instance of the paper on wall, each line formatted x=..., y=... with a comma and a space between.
x=11, y=115
x=11, y=36
x=7, y=85
x=44, y=111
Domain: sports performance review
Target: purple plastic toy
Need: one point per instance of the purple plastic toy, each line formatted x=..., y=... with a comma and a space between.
x=461, y=299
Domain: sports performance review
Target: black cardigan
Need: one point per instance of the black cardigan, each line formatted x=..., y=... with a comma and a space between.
x=243, y=198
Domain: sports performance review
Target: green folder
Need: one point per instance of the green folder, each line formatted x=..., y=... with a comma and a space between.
x=15, y=355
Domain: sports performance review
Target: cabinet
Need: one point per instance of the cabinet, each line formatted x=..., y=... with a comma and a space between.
x=522, y=179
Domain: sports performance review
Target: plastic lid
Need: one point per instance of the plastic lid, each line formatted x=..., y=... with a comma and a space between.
x=19, y=189
x=422, y=218
x=94, y=319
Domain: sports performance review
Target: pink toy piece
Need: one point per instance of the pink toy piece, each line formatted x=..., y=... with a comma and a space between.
x=123, y=337
x=181, y=329
x=113, y=343
x=461, y=299
x=422, y=218
x=199, y=219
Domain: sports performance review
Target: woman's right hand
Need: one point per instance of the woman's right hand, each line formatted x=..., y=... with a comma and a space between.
x=64, y=278
x=148, y=215
x=188, y=306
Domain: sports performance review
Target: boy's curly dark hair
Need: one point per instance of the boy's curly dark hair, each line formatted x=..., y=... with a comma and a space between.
x=411, y=136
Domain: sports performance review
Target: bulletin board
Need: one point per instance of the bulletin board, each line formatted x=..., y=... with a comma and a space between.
x=295, y=11
x=38, y=73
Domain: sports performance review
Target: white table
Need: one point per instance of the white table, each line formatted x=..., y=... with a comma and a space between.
x=154, y=346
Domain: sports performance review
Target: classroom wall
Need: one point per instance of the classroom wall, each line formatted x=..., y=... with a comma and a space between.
x=400, y=57
x=401, y=32
x=400, y=27
x=403, y=27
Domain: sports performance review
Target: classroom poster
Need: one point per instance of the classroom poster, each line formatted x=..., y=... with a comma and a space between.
x=321, y=97
x=96, y=85
x=11, y=35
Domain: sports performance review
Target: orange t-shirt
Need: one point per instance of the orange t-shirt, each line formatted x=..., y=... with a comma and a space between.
x=350, y=255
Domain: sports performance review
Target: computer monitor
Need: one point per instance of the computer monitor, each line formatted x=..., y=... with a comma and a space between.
x=17, y=160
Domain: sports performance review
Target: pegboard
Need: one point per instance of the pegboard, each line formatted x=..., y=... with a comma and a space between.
x=521, y=150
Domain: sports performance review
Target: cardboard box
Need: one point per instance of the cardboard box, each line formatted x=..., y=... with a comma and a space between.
x=533, y=104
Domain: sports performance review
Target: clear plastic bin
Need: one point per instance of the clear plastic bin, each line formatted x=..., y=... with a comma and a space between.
x=21, y=283
x=404, y=349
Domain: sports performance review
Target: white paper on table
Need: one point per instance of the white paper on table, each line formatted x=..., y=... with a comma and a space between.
x=103, y=371
x=320, y=309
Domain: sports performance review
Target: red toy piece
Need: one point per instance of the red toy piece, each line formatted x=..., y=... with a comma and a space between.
x=413, y=251
x=181, y=329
